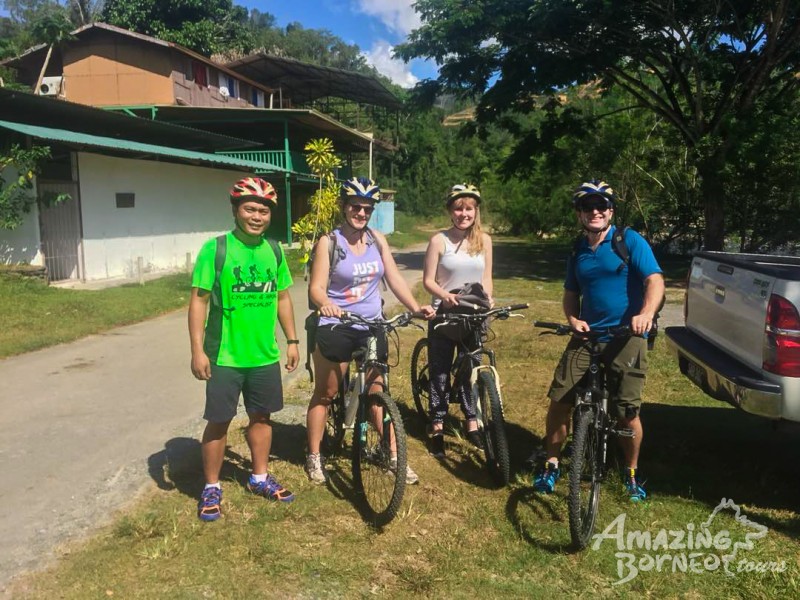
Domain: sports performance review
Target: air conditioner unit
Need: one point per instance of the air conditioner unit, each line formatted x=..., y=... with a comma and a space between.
x=51, y=86
x=223, y=91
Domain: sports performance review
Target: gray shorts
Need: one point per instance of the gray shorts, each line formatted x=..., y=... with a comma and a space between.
x=625, y=361
x=261, y=388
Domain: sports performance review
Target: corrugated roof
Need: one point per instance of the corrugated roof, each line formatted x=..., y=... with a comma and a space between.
x=80, y=140
x=45, y=111
x=305, y=82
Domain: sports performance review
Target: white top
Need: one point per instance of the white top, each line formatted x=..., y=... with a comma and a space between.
x=457, y=267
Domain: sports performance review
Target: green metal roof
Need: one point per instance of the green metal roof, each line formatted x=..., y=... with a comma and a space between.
x=142, y=150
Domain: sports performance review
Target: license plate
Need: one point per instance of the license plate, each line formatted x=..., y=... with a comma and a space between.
x=696, y=373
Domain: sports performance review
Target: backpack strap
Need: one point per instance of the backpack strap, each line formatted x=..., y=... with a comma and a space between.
x=620, y=247
x=335, y=254
x=219, y=262
x=276, y=249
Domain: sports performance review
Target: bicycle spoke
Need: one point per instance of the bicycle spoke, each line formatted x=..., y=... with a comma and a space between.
x=380, y=435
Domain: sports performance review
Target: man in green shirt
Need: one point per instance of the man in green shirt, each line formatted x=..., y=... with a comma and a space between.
x=241, y=281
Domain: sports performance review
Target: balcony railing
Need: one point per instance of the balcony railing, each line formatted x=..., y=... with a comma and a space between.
x=276, y=160
x=273, y=159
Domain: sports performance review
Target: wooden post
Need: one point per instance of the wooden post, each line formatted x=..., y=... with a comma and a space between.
x=188, y=262
x=140, y=269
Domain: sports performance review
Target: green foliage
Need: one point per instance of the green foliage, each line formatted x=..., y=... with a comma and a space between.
x=206, y=26
x=703, y=68
x=324, y=204
x=52, y=28
x=16, y=196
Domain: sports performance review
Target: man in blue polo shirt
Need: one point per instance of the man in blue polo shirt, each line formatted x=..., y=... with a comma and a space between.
x=601, y=290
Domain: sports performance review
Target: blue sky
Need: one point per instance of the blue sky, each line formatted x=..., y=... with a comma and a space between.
x=375, y=25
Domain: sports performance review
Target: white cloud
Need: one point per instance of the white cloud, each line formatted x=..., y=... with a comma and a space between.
x=397, y=15
x=380, y=57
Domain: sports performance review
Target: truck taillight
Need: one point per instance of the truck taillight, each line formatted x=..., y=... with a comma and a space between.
x=782, y=338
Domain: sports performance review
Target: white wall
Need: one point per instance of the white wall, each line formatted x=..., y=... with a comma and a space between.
x=21, y=245
x=177, y=208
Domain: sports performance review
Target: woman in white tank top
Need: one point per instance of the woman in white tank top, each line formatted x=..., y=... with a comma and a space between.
x=461, y=254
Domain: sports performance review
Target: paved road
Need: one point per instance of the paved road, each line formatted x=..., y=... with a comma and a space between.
x=80, y=420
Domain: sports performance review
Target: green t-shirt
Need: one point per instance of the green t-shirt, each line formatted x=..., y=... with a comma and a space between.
x=243, y=333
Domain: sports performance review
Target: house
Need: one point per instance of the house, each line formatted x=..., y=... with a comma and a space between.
x=140, y=191
x=145, y=182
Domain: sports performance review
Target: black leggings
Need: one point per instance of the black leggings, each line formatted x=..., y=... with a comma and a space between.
x=440, y=361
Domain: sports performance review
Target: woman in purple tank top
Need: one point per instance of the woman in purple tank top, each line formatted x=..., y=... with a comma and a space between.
x=362, y=258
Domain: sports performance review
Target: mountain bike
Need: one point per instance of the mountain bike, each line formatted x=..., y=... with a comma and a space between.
x=476, y=365
x=379, y=439
x=592, y=425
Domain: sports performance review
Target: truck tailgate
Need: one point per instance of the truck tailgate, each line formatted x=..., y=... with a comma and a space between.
x=727, y=304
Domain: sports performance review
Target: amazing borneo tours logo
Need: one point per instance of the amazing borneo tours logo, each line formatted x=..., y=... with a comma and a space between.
x=692, y=549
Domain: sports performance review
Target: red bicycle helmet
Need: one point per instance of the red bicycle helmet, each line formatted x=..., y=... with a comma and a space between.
x=255, y=189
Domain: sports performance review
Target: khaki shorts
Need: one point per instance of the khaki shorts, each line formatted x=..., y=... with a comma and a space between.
x=625, y=361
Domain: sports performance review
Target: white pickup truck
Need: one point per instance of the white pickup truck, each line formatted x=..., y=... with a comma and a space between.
x=741, y=341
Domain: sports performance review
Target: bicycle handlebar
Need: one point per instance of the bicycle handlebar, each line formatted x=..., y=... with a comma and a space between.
x=502, y=310
x=401, y=320
x=593, y=334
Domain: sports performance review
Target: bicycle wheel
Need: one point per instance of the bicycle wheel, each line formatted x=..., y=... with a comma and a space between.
x=584, y=477
x=420, y=380
x=334, y=427
x=493, y=428
x=374, y=473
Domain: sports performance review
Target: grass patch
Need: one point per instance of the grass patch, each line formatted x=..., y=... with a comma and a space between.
x=457, y=535
x=35, y=315
x=415, y=229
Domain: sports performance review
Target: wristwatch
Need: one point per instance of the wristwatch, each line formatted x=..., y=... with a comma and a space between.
x=292, y=341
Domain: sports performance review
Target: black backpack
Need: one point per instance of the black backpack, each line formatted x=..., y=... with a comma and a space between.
x=620, y=248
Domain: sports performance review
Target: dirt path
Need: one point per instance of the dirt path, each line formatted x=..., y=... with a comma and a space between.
x=87, y=426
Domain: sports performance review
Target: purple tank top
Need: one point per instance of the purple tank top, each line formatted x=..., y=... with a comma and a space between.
x=355, y=280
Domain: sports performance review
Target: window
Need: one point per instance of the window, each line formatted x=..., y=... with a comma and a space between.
x=125, y=199
x=199, y=73
x=230, y=84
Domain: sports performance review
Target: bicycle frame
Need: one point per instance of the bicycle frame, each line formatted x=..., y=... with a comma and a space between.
x=594, y=395
x=358, y=382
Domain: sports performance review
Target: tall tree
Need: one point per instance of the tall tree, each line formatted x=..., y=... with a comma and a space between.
x=206, y=26
x=706, y=67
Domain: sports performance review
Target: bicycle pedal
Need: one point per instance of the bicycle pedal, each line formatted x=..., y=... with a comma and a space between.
x=629, y=433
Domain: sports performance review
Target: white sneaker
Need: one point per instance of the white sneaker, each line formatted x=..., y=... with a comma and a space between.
x=411, y=476
x=314, y=469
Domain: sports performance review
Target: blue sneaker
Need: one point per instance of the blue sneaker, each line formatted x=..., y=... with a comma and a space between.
x=208, y=508
x=270, y=489
x=545, y=480
x=635, y=490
